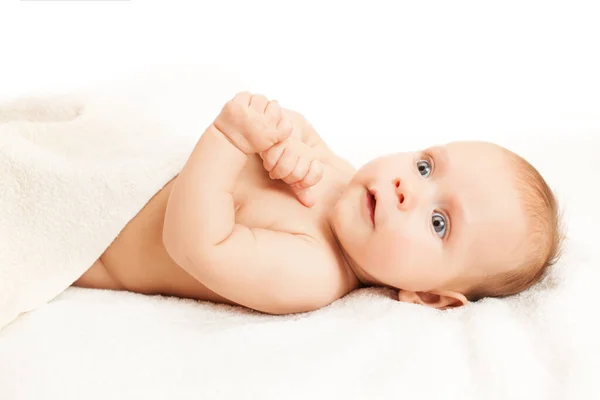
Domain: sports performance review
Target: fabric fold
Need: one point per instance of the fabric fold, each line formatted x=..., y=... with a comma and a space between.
x=74, y=170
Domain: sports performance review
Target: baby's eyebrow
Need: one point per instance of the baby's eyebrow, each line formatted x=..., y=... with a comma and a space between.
x=440, y=154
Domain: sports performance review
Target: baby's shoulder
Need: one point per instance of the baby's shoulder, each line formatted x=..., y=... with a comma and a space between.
x=333, y=264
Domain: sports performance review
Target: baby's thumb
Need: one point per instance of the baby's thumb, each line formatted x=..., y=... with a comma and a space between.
x=305, y=195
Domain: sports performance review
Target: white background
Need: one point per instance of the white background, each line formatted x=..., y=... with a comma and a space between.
x=373, y=77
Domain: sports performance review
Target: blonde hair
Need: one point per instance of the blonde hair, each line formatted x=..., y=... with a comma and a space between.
x=544, y=241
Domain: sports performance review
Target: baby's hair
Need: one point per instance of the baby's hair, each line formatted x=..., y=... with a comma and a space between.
x=545, y=236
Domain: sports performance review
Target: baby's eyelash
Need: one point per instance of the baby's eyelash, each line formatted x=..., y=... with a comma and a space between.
x=429, y=157
x=448, y=223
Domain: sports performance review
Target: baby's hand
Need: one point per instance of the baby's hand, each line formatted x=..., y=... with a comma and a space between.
x=253, y=123
x=296, y=164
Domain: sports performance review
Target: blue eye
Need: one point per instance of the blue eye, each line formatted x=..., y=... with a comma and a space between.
x=424, y=168
x=439, y=223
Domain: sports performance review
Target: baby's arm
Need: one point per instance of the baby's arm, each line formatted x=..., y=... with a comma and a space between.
x=273, y=272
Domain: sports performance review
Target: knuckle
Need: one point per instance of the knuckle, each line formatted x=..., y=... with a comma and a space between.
x=284, y=168
x=256, y=126
x=276, y=173
x=301, y=169
x=242, y=95
x=228, y=107
x=233, y=109
x=267, y=164
x=273, y=113
x=296, y=175
x=285, y=126
x=274, y=109
x=290, y=179
x=319, y=167
x=260, y=97
x=315, y=173
x=269, y=161
x=319, y=172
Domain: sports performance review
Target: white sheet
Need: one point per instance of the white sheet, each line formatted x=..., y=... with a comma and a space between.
x=102, y=344
x=541, y=344
x=74, y=169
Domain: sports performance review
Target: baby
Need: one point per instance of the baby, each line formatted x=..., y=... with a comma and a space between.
x=266, y=216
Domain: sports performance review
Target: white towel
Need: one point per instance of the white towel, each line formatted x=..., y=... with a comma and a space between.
x=74, y=169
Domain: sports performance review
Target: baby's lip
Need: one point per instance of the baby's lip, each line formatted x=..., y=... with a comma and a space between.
x=372, y=203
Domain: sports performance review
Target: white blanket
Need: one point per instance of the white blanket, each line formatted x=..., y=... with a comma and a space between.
x=99, y=344
x=74, y=169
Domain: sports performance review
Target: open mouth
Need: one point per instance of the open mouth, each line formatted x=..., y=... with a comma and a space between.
x=371, y=203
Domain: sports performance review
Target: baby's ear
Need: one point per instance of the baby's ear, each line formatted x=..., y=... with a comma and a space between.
x=440, y=299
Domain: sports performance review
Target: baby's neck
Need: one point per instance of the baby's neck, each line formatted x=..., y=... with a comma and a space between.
x=350, y=264
x=332, y=195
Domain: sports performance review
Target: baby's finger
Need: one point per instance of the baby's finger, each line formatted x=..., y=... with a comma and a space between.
x=306, y=196
x=273, y=113
x=314, y=175
x=284, y=128
x=272, y=155
x=285, y=165
x=259, y=102
x=299, y=172
x=242, y=98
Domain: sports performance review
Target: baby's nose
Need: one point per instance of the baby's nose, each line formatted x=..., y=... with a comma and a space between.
x=400, y=194
x=401, y=191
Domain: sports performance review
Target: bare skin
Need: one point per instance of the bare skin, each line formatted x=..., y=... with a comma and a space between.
x=444, y=219
x=138, y=261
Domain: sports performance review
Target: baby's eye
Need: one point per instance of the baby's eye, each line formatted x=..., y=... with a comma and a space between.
x=439, y=223
x=424, y=168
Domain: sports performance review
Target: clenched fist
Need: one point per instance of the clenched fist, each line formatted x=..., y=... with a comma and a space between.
x=253, y=123
x=296, y=164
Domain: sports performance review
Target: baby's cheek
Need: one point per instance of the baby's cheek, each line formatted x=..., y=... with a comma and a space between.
x=405, y=257
x=391, y=250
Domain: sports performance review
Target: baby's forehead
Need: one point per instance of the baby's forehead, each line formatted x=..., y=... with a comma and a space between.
x=475, y=147
x=475, y=159
x=481, y=183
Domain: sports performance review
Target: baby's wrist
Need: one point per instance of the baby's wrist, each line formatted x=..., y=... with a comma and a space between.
x=215, y=131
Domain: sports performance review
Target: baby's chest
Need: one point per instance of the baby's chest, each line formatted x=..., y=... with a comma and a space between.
x=262, y=202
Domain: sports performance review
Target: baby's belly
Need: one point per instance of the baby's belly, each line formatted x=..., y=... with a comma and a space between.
x=138, y=261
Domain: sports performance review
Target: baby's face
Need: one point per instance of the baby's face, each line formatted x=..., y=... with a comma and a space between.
x=443, y=221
